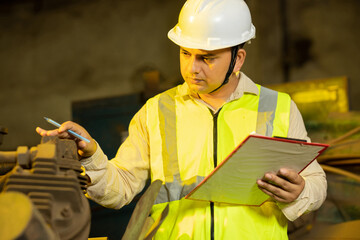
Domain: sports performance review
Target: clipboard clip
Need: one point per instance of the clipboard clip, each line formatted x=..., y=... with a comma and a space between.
x=293, y=139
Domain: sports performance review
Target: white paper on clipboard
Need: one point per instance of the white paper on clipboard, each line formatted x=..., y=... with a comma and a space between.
x=234, y=180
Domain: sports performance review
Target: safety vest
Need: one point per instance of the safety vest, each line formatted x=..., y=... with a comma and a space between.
x=187, y=141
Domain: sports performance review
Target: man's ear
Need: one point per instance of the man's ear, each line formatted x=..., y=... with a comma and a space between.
x=240, y=59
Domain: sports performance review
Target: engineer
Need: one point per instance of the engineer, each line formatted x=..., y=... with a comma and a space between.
x=181, y=135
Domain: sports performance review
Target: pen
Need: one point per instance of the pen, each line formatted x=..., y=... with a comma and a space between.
x=69, y=131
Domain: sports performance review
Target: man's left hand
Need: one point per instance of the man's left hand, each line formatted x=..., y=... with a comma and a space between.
x=285, y=186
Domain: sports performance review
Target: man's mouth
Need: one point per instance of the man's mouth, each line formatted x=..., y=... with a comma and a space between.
x=195, y=80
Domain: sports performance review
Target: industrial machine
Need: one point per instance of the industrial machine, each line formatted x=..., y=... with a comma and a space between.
x=42, y=192
x=42, y=195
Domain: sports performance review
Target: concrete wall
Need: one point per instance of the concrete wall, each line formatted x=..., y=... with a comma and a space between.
x=63, y=51
x=77, y=51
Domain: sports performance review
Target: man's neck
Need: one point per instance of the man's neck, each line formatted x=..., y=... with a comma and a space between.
x=218, y=98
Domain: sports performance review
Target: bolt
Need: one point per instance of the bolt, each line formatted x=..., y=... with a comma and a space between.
x=66, y=212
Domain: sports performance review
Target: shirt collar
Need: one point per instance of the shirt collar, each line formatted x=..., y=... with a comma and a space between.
x=245, y=85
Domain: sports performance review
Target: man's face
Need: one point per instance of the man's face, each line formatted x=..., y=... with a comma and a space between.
x=202, y=70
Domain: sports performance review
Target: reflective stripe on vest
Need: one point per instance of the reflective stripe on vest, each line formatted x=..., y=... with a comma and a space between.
x=267, y=103
x=267, y=115
x=173, y=188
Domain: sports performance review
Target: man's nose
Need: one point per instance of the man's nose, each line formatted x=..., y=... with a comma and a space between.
x=194, y=65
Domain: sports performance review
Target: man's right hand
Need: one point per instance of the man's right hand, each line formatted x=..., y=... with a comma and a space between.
x=84, y=149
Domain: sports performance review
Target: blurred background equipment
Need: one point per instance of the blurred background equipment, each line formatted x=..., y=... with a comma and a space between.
x=3, y=131
x=316, y=99
x=324, y=106
x=42, y=192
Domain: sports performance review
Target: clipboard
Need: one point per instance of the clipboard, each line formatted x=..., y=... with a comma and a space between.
x=233, y=181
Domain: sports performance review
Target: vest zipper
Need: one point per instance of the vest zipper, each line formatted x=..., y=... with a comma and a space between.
x=215, y=117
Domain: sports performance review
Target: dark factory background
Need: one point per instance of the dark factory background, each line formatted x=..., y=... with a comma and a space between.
x=97, y=61
x=55, y=52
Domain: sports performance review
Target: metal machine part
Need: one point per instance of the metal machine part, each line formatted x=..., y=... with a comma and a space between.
x=50, y=175
x=3, y=131
x=30, y=225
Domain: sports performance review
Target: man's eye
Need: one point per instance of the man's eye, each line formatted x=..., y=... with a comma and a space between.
x=208, y=59
x=185, y=53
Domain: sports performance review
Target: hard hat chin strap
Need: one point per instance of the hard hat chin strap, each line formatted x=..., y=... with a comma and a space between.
x=234, y=51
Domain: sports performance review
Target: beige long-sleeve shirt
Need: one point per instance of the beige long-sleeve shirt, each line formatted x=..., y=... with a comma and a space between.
x=114, y=183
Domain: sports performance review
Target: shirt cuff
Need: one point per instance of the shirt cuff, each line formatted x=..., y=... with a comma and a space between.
x=95, y=161
x=298, y=207
x=95, y=165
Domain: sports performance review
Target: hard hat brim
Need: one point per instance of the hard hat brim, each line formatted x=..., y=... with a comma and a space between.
x=209, y=44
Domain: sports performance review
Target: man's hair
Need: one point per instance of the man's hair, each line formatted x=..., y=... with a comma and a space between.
x=241, y=45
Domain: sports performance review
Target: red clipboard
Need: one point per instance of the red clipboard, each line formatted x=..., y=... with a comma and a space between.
x=233, y=181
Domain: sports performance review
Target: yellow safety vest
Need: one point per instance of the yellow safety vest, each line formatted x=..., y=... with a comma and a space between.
x=186, y=142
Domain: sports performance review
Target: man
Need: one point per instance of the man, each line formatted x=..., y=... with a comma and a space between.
x=179, y=136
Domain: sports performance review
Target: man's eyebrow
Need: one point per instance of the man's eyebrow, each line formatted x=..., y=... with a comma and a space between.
x=208, y=55
x=201, y=55
x=184, y=50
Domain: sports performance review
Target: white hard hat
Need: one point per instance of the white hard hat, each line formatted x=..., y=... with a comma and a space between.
x=213, y=24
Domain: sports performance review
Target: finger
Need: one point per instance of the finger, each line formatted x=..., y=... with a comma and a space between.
x=54, y=132
x=273, y=196
x=66, y=126
x=64, y=135
x=291, y=175
x=69, y=125
x=44, y=132
x=279, y=182
x=281, y=186
x=296, y=181
x=275, y=192
x=41, y=131
x=276, y=198
x=86, y=149
x=82, y=144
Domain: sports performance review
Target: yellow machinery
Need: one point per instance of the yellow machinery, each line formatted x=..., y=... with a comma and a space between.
x=324, y=106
